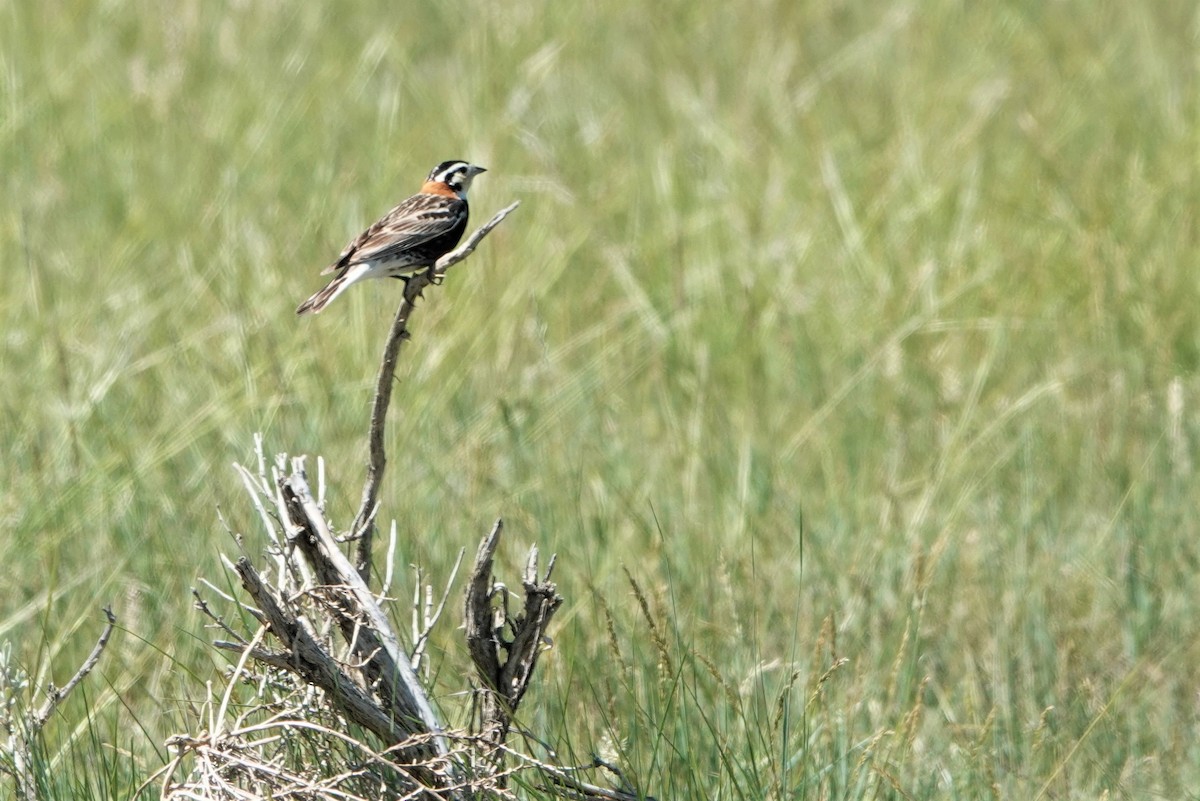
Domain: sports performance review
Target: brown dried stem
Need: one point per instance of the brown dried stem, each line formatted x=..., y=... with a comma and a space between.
x=364, y=522
x=55, y=696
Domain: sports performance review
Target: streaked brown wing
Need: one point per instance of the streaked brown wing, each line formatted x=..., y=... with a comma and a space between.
x=416, y=220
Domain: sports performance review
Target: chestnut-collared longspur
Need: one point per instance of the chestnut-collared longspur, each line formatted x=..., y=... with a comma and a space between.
x=409, y=238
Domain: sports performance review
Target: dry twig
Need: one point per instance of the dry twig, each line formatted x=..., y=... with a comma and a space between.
x=17, y=754
x=364, y=521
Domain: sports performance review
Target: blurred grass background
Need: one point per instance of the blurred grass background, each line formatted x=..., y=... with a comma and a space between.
x=852, y=331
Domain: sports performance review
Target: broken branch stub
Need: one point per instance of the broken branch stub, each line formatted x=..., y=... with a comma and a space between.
x=505, y=650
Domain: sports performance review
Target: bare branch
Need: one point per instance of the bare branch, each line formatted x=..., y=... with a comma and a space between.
x=54, y=696
x=467, y=248
x=24, y=730
x=217, y=620
x=311, y=661
x=364, y=524
x=376, y=640
x=431, y=618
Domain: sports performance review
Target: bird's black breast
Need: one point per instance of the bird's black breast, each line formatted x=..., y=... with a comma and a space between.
x=442, y=244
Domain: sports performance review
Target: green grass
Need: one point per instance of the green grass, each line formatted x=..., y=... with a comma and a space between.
x=860, y=331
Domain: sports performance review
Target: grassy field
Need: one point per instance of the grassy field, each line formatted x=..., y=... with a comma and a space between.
x=862, y=338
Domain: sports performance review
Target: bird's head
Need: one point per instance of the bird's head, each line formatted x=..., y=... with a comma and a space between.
x=455, y=174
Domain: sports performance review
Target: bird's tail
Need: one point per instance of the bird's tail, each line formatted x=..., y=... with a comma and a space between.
x=334, y=288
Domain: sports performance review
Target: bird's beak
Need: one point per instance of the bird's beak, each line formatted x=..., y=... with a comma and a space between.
x=475, y=170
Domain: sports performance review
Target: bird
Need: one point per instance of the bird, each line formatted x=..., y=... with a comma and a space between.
x=409, y=238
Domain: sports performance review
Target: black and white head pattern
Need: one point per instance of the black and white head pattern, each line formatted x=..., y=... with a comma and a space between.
x=456, y=174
